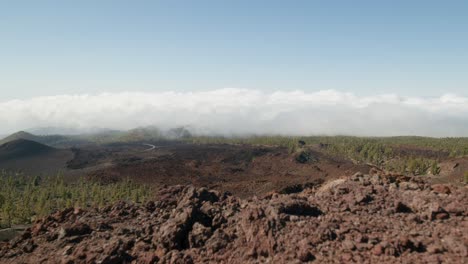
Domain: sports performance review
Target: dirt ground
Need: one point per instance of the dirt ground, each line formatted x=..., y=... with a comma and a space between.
x=243, y=170
x=239, y=169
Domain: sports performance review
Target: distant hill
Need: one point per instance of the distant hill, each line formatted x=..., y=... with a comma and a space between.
x=50, y=140
x=67, y=131
x=20, y=135
x=33, y=158
x=20, y=148
x=140, y=134
x=103, y=136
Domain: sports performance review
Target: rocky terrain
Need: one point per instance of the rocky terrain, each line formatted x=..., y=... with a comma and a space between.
x=242, y=170
x=372, y=218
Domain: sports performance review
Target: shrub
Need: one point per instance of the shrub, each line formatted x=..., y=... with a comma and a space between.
x=24, y=198
x=435, y=169
x=303, y=157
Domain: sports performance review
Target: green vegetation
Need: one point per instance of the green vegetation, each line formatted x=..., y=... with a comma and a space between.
x=360, y=149
x=384, y=152
x=466, y=177
x=24, y=198
x=456, y=147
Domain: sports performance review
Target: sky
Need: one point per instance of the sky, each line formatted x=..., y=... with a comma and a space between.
x=412, y=50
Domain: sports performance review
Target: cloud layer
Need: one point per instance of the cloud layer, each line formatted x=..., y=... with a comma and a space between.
x=241, y=111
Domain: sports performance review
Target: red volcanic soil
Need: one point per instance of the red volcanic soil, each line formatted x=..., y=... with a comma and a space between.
x=243, y=170
x=239, y=169
x=453, y=170
x=358, y=219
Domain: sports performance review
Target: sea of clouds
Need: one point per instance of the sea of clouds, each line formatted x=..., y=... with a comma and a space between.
x=242, y=111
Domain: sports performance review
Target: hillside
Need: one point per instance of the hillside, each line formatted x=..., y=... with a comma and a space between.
x=358, y=219
x=32, y=157
x=103, y=136
x=20, y=135
x=21, y=148
x=58, y=141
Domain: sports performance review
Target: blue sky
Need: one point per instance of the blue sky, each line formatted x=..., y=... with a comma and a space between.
x=409, y=48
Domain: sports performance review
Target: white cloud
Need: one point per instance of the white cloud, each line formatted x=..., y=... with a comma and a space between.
x=237, y=111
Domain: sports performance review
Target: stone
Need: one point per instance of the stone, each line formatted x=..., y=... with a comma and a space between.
x=334, y=223
x=378, y=250
x=76, y=229
x=441, y=188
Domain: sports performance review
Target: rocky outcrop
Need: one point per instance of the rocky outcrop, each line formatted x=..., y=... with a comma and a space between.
x=362, y=218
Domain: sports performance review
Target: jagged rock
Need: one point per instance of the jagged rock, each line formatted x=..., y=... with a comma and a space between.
x=199, y=235
x=299, y=208
x=364, y=218
x=76, y=229
x=409, y=186
x=437, y=212
x=441, y=188
x=402, y=208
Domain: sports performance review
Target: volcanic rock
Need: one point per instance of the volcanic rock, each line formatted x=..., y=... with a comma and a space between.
x=363, y=218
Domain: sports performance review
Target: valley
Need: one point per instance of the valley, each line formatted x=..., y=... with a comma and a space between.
x=84, y=191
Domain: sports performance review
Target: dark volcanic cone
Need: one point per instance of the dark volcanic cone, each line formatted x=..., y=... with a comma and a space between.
x=22, y=148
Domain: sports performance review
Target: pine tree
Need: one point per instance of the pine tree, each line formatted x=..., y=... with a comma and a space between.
x=435, y=170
